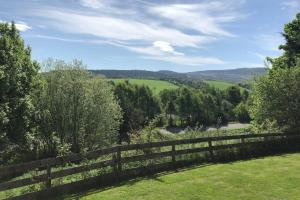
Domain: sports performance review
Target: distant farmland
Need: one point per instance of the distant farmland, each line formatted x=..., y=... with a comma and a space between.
x=155, y=85
x=219, y=84
x=158, y=85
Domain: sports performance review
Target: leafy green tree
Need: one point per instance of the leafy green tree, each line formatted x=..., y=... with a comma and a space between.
x=77, y=108
x=139, y=106
x=291, y=35
x=275, y=98
x=18, y=74
x=168, y=100
x=241, y=112
x=233, y=95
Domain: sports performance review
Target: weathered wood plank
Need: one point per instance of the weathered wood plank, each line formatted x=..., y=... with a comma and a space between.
x=10, y=170
x=22, y=182
x=79, y=169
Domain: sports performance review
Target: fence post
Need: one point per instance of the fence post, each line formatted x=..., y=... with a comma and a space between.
x=173, y=154
x=115, y=164
x=119, y=164
x=48, y=180
x=211, y=152
x=243, y=146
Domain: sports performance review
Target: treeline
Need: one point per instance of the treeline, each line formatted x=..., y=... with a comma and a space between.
x=183, y=107
x=52, y=108
x=55, y=108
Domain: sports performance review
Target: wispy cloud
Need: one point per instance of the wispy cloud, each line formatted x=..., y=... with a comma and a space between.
x=21, y=26
x=172, y=56
x=269, y=42
x=189, y=60
x=120, y=29
x=95, y=4
x=205, y=18
x=156, y=30
x=166, y=47
x=291, y=4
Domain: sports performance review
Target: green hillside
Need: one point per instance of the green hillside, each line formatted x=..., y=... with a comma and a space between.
x=274, y=178
x=155, y=85
x=219, y=84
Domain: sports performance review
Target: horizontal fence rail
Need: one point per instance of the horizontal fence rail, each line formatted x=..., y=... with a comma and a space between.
x=118, y=156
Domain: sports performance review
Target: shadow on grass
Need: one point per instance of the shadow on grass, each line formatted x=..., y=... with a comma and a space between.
x=192, y=164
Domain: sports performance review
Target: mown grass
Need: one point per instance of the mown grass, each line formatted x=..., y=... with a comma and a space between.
x=155, y=85
x=275, y=177
x=219, y=84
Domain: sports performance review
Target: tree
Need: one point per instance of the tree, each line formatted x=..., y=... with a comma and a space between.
x=18, y=74
x=78, y=108
x=291, y=35
x=168, y=101
x=241, y=112
x=276, y=96
x=233, y=95
x=139, y=106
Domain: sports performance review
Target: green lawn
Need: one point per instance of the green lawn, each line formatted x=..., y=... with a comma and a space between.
x=155, y=85
x=219, y=84
x=271, y=178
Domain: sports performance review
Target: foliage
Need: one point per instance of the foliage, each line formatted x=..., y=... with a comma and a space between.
x=233, y=95
x=276, y=98
x=77, y=108
x=241, y=112
x=138, y=104
x=219, y=84
x=18, y=74
x=276, y=95
x=292, y=37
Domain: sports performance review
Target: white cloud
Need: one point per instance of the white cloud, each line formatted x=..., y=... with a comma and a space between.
x=95, y=4
x=152, y=29
x=205, y=18
x=60, y=39
x=120, y=29
x=173, y=56
x=189, y=60
x=21, y=26
x=166, y=47
x=291, y=4
x=269, y=42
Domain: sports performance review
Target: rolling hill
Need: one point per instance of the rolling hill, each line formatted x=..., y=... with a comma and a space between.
x=155, y=85
x=232, y=75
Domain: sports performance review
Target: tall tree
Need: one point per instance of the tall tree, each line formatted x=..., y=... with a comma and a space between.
x=79, y=109
x=275, y=98
x=17, y=77
x=233, y=95
x=139, y=106
x=291, y=48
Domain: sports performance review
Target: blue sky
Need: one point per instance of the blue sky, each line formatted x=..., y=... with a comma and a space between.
x=186, y=35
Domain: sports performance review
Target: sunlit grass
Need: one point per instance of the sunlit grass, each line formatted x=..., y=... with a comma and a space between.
x=274, y=177
x=155, y=85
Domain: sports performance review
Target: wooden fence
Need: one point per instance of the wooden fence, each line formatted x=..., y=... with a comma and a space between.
x=118, y=159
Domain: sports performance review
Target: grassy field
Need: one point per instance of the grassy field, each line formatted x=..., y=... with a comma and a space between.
x=155, y=85
x=219, y=84
x=273, y=178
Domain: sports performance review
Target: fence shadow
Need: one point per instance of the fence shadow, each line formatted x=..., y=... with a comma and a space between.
x=184, y=155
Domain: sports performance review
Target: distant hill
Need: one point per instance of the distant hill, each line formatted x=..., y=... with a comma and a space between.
x=231, y=75
x=155, y=85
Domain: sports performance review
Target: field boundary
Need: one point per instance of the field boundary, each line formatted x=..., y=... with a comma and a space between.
x=209, y=146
